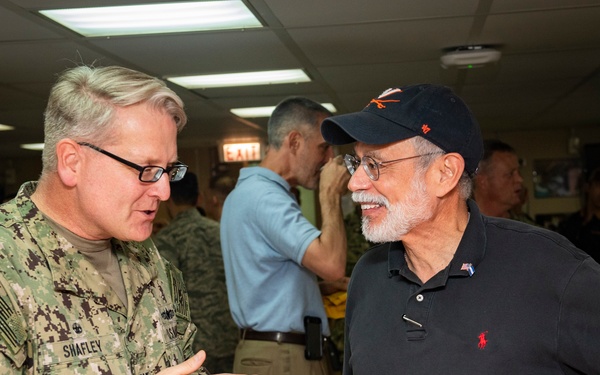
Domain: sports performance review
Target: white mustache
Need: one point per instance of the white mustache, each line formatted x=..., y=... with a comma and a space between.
x=363, y=197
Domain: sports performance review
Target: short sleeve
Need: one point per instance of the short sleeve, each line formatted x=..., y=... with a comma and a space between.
x=284, y=226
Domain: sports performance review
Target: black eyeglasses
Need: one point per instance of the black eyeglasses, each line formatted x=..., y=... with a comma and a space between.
x=148, y=173
x=371, y=166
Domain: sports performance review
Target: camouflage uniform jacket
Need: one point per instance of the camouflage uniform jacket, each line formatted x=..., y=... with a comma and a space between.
x=357, y=246
x=192, y=243
x=58, y=315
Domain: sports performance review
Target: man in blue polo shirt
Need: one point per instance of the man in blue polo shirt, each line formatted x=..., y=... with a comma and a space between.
x=449, y=290
x=273, y=254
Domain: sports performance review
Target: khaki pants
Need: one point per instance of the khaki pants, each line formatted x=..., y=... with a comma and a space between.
x=271, y=358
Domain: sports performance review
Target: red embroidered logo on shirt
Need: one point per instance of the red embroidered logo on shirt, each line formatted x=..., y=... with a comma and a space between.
x=425, y=128
x=482, y=340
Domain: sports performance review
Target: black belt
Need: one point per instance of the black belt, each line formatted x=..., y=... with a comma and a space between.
x=280, y=337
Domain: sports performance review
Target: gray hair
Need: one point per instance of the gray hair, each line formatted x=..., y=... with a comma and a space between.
x=293, y=113
x=82, y=104
x=422, y=147
x=490, y=147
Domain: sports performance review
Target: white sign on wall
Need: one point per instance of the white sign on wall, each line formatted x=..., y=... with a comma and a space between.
x=235, y=152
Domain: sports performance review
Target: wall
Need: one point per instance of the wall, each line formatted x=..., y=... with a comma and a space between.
x=200, y=161
x=13, y=172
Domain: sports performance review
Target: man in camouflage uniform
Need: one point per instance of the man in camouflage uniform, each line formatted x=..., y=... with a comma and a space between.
x=219, y=187
x=82, y=290
x=357, y=246
x=191, y=242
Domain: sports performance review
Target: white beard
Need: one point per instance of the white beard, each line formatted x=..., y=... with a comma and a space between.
x=401, y=217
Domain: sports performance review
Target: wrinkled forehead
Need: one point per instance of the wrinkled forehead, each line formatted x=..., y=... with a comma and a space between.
x=362, y=149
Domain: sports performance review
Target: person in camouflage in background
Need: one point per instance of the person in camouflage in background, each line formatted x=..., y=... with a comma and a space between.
x=357, y=246
x=82, y=289
x=219, y=187
x=192, y=243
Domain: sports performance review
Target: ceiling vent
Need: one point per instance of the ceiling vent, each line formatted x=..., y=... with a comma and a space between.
x=468, y=57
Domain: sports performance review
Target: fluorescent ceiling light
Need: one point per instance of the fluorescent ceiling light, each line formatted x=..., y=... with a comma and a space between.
x=155, y=18
x=252, y=112
x=6, y=127
x=33, y=146
x=241, y=79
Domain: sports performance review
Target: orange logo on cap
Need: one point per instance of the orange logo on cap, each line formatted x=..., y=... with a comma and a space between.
x=380, y=104
x=425, y=128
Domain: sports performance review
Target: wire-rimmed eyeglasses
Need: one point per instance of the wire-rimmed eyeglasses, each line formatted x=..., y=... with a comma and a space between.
x=148, y=173
x=371, y=166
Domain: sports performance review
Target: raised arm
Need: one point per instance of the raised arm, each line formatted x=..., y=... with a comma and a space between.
x=326, y=255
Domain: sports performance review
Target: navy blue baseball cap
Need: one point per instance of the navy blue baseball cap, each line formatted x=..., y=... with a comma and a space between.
x=430, y=111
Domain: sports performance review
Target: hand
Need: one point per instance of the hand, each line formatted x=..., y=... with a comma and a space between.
x=188, y=367
x=330, y=287
x=334, y=176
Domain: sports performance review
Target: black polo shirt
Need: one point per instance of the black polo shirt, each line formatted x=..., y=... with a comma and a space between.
x=516, y=299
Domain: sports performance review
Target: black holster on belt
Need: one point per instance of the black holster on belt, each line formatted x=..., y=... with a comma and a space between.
x=334, y=354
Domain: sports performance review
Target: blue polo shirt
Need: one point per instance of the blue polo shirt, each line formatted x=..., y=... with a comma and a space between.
x=532, y=306
x=264, y=237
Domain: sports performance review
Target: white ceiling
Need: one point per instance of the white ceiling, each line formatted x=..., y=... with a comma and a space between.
x=548, y=75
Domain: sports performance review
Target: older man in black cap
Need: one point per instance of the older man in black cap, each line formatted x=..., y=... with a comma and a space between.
x=450, y=290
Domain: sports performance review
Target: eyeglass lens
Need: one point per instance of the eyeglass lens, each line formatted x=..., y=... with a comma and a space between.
x=351, y=163
x=371, y=167
x=177, y=172
x=154, y=173
x=369, y=164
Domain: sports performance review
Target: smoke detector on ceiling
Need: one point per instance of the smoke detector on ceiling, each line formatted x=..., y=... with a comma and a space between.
x=468, y=57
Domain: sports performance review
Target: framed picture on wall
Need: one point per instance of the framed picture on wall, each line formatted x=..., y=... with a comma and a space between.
x=554, y=178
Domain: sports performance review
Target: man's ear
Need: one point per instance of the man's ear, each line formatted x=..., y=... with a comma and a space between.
x=449, y=170
x=294, y=139
x=69, y=158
